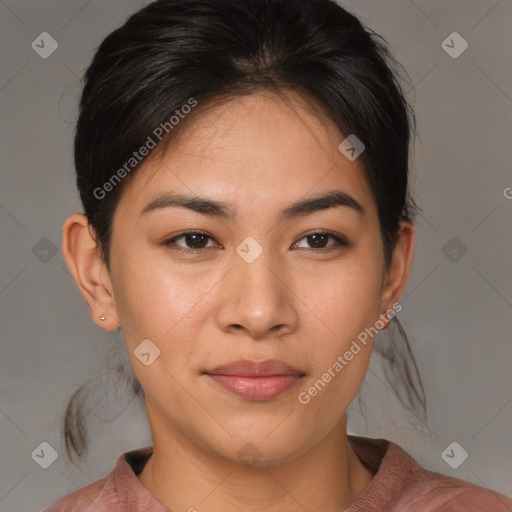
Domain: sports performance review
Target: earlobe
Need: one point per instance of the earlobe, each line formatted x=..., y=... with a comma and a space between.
x=399, y=268
x=84, y=260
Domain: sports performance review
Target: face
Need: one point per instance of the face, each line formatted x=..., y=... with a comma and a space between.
x=252, y=283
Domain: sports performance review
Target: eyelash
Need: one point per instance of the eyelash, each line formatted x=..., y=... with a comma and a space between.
x=340, y=242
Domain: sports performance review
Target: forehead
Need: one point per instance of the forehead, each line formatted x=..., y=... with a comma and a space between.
x=257, y=149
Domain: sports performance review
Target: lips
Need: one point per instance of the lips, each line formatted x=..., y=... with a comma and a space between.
x=256, y=380
x=247, y=368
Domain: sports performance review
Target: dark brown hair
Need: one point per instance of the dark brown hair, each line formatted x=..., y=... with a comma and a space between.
x=214, y=50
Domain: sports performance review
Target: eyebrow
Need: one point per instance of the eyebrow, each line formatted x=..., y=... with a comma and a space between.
x=213, y=208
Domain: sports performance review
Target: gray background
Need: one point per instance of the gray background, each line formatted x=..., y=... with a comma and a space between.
x=457, y=313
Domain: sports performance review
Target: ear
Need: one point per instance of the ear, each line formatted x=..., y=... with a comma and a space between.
x=91, y=275
x=395, y=277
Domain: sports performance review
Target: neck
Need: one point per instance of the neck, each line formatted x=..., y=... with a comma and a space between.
x=184, y=476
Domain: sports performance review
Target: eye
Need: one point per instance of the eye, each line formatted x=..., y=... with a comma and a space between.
x=198, y=241
x=195, y=238
x=318, y=239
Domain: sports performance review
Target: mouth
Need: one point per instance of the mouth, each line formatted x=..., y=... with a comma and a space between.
x=256, y=381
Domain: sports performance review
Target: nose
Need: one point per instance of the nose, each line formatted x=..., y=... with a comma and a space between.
x=257, y=299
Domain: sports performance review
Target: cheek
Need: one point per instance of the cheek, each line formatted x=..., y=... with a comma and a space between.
x=346, y=299
x=329, y=394
x=161, y=304
x=347, y=302
x=150, y=298
x=349, y=307
x=157, y=304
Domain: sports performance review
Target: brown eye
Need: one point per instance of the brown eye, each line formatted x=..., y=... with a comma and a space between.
x=318, y=241
x=195, y=241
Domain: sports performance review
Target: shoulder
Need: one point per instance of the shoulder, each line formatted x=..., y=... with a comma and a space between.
x=442, y=493
x=119, y=491
x=400, y=483
x=431, y=491
x=81, y=500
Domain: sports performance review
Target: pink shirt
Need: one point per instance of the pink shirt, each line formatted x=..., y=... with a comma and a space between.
x=399, y=484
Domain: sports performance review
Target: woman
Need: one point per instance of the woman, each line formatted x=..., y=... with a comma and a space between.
x=243, y=168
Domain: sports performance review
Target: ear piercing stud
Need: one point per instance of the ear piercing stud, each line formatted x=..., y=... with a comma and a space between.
x=102, y=317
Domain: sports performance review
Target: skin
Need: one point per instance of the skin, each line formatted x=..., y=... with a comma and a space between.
x=257, y=153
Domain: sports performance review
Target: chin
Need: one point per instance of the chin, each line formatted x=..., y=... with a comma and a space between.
x=261, y=450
